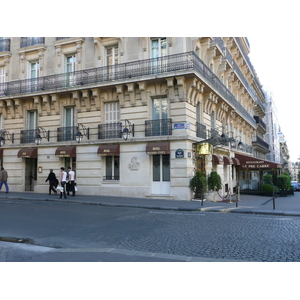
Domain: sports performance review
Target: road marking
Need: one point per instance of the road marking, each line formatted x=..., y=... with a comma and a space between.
x=176, y=213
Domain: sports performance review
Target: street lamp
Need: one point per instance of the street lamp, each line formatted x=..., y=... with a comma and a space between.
x=38, y=138
x=79, y=134
x=128, y=129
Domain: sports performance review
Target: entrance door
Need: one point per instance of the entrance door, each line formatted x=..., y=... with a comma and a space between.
x=161, y=174
x=30, y=173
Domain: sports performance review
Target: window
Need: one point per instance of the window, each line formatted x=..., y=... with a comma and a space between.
x=70, y=68
x=112, y=168
x=2, y=79
x=1, y=122
x=112, y=58
x=159, y=47
x=33, y=74
x=69, y=124
x=112, y=127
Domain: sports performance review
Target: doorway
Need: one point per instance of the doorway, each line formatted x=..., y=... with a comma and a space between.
x=30, y=174
x=161, y=174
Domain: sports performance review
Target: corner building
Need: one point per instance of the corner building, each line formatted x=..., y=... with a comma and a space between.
x=169, y=93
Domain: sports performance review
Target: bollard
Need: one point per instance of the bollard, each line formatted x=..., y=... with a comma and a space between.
x=237, y=198
x=273, y=192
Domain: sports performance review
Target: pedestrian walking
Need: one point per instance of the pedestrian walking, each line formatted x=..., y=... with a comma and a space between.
x=3, y=179
x=52, y=182
x=71, y=175
x=63, y=180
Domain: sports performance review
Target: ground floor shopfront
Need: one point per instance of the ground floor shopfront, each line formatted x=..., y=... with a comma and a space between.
x=250, y=173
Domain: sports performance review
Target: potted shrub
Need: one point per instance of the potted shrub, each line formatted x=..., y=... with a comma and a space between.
x=267, y=186
x=198, y=184
x=214, y=181
x=284, y=183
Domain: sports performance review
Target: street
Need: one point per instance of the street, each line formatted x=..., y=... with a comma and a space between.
x=59, y=231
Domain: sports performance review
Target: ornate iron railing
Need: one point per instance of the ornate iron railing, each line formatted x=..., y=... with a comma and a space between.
x=200, y=130
x=187, y=61
x=4, y=45
x=260, y=142
x=158, y=127
x=27, y=136
x=260, y=122
x=31, y=41
x=110, y=131
x=66, y=133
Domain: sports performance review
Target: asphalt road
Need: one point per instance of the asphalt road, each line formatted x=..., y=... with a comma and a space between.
x=78, y=232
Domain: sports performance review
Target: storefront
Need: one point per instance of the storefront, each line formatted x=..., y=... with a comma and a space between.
x=251, y=170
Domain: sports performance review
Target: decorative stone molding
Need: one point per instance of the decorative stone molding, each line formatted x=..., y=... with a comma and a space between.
x=120, y=93
x=38, y=103
x=96, y=97
x=10, y=108
x=145, y=95
x=47, y=104
x=55, y=100
x=19, y=107
x=86, y=98
x=134, y=165
x=76, y=96
x=132, y=94
x=181, y=88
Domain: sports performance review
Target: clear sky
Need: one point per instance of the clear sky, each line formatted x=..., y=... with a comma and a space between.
x=277, y=68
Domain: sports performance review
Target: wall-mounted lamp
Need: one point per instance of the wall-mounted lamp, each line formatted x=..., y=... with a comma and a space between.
x=82, y=131
x=5, y=135
x=128, y=129
x=237, y=143
x=38, y=138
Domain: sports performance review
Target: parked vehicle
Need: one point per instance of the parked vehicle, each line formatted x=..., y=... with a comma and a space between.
x=295, y=185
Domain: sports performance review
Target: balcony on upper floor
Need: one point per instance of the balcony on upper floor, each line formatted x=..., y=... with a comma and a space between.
x=260, y=122
x=259, y=142
x=158, y=127
x=4, y=45
x=67, y=133
x=31, y=41
x=110, y=131
x=200, y=130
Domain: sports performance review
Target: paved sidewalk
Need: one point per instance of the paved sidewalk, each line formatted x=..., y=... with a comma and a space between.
x=248, y=203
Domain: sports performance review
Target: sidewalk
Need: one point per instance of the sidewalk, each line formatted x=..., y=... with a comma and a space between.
x=248, y=203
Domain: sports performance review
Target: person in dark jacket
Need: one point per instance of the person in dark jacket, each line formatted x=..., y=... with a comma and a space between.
x=52, y=182
x=3, y=179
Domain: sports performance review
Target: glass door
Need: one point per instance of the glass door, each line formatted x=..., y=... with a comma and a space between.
x=161, y=174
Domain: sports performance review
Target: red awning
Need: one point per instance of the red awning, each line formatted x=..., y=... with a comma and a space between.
x=235, y=161
x=66, y=151
x=217, y=159
x=248, y=162
x=227, y=160
x=28, y=153
x=108, y=150
x=158, y=148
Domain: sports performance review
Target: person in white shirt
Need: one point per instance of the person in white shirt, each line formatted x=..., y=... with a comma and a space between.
x=63, y=180
x=71, y=182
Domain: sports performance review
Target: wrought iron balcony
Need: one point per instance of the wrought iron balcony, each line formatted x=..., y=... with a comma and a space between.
x=4, y=45
x=67, y=133
x=27, y=136
x=158, y=127
x=187, y=62
x=200, y=130
x=110, y=131
x=260, y=142
x=31, y=41
x=260, y=122
x=111, y=178
x=61, y=38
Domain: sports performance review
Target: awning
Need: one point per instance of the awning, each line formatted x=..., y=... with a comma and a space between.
x=248, y=162
x=69, y=151
x=217, y=159
x=227, y=160
x=158, y=148
x=1, y=153
x=235, y=161
x=28, y=153
x=109, y=150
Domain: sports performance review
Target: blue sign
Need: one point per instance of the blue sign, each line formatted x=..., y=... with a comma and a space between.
x=179, y=153
x=178, y=125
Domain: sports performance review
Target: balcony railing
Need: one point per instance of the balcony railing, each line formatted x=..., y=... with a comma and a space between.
x=260, y=122
x=4, y=45
x=111, y=178
x=66, y=133
x=188, y=62
x=158, y=127
x=27, y=136
x=260, y=142
x=200, y=130
x=110, y=131
x=31, y=41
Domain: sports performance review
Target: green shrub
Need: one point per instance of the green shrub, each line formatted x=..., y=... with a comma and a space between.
x=214, y=181
x=268, y=179
x=268, y=188
x=284, y=181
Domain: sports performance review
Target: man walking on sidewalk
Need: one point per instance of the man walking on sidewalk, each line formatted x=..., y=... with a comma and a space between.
x=3, y=179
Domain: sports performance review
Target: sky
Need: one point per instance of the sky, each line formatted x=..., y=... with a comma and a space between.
x=277, y=69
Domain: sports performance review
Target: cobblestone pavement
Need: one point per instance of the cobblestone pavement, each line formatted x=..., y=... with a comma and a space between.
x=79, y=232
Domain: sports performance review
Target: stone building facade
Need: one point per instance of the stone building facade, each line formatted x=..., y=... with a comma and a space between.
x=169, y=93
